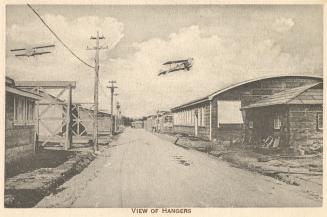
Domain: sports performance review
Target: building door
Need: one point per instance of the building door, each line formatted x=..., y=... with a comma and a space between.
x=196, y=124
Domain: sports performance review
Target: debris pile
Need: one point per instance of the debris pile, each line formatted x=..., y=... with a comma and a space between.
x=26, y=189
x=304, y=171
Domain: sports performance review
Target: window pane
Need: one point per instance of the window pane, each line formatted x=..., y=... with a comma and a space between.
x=203, y=116
x=250, y=124
x=229, y=112
x=20, y=109
x=277, y=122
x=27, y=110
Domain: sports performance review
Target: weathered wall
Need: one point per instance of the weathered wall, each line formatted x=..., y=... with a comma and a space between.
x=304, y=132
x=19, y=139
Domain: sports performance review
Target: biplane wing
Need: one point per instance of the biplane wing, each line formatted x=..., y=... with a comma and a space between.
x=162, y=73
x=175, y=69
x=175, y=61
x=17, y=49
x=40, y=53
x=45, y=46
x=32, y=54
x=21, y=55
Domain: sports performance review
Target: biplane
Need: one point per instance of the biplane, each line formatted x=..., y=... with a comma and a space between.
x=177, y=65
x=32, y=51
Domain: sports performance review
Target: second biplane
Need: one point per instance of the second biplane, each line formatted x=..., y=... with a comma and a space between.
x=177, y=65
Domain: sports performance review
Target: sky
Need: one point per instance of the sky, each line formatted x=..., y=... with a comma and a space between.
x=229, y=44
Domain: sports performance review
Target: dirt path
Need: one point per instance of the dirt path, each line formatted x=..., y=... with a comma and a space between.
x=143, y=170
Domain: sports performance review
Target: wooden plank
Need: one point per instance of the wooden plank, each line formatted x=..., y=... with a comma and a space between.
x=46, y=84
x=307, y=101
x=69, y=120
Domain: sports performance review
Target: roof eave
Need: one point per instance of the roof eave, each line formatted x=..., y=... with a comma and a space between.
x=189, y=104
x=22, y=93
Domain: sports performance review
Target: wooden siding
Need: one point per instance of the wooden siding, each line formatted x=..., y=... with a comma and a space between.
x=304, y=132
x=19, y=139
x=250, y=93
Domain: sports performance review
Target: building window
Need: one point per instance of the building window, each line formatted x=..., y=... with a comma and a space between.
x=23, y=110
x=277, y=122
x=250, y=124
x=168, y=119
x=320, y=122
x=228, y=112
x=202, y=118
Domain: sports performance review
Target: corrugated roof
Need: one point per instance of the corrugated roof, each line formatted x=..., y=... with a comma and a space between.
x=290, y=96
x=229, y=87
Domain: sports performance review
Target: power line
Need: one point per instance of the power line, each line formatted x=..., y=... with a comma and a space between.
x=58, y=37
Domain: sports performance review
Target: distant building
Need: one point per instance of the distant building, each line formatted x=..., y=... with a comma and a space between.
x=150, y=122
x=218, y=116
x=20, y=132
x=137, y=124
x=83, y=121
x=164, y=122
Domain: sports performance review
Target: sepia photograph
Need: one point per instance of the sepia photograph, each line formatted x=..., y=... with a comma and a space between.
x=172, y=107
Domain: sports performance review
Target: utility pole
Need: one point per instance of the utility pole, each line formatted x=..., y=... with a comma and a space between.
x=115, y=113
x=112, y=88
x=118, y=115
x=96, y=87
x=157, y=121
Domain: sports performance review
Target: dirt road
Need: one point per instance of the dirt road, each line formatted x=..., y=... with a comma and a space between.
x=143, y=170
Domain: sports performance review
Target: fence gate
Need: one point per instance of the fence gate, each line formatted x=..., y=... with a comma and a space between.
x=53, y=115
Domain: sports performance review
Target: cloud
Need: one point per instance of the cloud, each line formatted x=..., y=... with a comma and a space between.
x=75, y=33
x=217, y=62
x=283, y=24
x=60, y=64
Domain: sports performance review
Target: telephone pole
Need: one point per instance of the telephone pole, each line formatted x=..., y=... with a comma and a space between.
x=118, y=112
x=112, y=88
x=97, y=48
